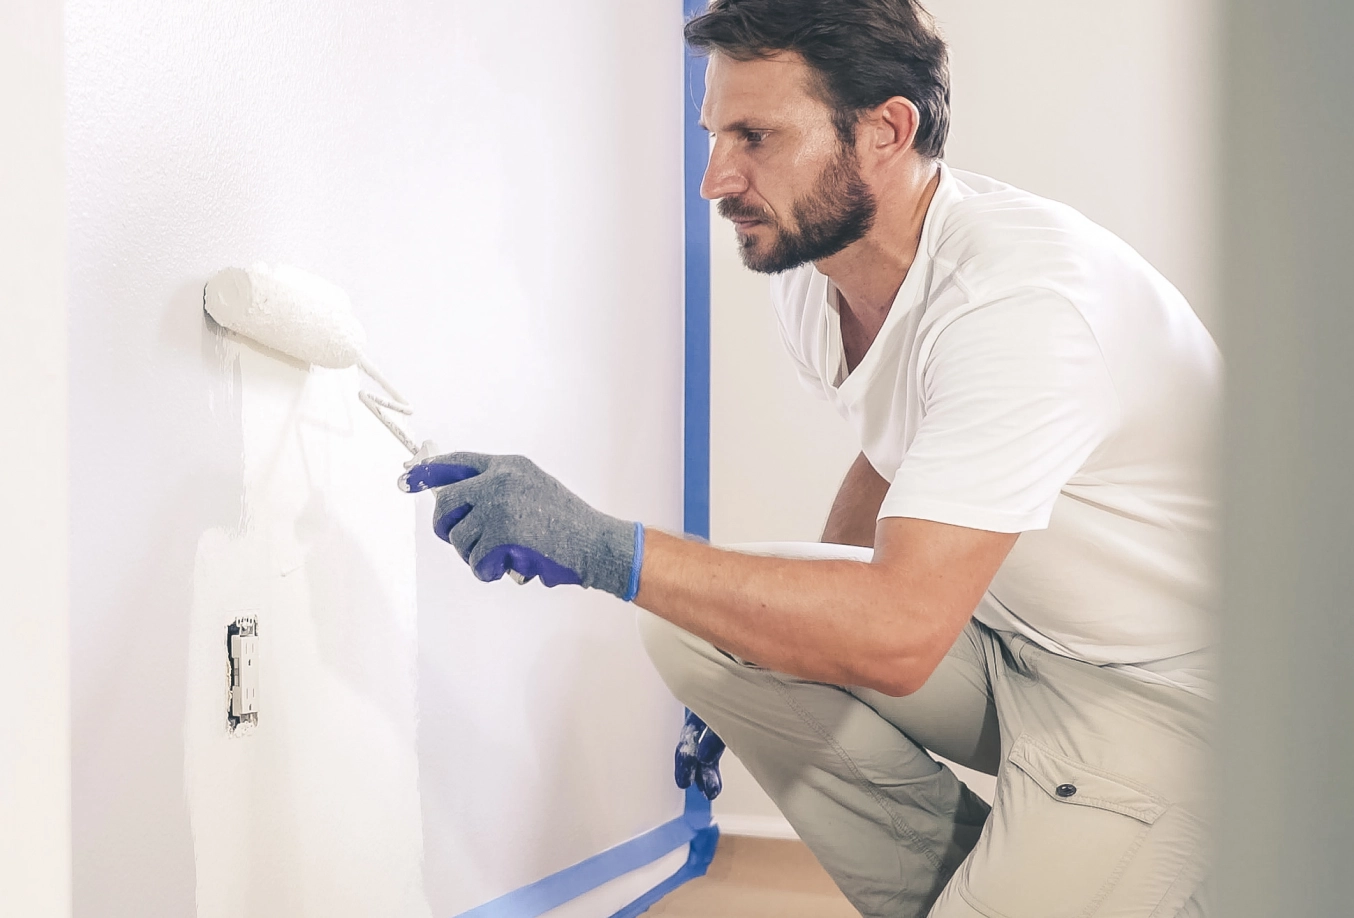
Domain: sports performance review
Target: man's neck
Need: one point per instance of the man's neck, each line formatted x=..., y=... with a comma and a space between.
x=869, y=273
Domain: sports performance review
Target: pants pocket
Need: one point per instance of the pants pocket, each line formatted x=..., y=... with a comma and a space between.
x=746, y=664
x=1066, y=840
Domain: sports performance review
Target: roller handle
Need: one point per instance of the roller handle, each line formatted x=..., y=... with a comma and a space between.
x=378, y=406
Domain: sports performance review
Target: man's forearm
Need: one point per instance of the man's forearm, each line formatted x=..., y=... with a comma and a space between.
x=852, y=518
x=885, y=624
x=843, y=622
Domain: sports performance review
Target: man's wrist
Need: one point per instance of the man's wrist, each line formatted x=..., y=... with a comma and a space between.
x=612, y=563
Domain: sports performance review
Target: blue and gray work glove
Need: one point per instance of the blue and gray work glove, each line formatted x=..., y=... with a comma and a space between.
x=697, y=758
x=504, y=515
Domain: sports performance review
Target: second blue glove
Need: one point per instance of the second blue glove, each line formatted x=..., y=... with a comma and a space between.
x=697, y=757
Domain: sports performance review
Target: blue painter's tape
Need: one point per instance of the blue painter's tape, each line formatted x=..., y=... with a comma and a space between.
x=692, y=827
x=696, y=143
x=697, y=863
x=570, y=883
x=698, y=809
x=704, y=840
x=696, y=434
x=696, y=469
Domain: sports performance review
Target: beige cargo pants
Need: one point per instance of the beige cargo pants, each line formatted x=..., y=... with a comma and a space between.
x=1101, y=779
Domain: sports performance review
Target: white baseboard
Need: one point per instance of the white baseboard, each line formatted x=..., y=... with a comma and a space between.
x=756, y=826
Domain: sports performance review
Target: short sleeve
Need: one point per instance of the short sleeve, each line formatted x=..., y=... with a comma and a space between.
x=1016, y=396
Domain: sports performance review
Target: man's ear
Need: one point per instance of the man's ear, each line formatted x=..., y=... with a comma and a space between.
x=890, y=129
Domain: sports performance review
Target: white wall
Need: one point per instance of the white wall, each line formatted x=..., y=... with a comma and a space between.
x=498, y=186
x=34, y=600
x=1107, y=107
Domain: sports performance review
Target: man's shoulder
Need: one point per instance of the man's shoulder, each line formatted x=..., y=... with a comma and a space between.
x=982, y=200
x=992, y=230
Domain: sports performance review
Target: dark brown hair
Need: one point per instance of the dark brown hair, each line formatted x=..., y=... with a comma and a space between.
x=863, y=53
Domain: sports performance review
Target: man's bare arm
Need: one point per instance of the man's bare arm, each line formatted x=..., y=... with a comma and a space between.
x=884, y=625
x=851, y=521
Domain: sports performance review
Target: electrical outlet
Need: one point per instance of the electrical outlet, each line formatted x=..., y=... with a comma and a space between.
x=242, y=643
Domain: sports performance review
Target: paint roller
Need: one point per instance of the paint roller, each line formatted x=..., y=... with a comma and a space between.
x=310, y=320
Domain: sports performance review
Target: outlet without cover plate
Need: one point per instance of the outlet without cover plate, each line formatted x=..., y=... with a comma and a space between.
x=242, y=644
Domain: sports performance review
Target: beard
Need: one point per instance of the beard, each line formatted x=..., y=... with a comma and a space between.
x=838, y=211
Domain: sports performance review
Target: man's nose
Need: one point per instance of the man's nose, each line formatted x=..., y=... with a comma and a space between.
x=721, y=178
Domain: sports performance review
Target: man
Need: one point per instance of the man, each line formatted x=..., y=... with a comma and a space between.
x=1034, y=404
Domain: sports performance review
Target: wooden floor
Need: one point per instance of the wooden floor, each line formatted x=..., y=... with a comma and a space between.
x=759, y=878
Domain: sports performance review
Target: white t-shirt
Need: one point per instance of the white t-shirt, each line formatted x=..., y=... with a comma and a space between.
x=1036, y=375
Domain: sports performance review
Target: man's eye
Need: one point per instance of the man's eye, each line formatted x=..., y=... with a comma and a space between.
x=755, y=137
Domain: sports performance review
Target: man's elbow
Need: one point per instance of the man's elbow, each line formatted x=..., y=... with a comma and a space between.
x=897, y=675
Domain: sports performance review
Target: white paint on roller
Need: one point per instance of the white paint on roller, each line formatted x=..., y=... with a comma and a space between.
x=289, y=310
x=316, y=811
x=304, y=317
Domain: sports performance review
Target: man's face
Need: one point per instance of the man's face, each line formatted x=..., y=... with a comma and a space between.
x=778, y=168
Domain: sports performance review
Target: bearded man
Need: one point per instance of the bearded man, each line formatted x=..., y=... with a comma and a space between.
x=1034, y=404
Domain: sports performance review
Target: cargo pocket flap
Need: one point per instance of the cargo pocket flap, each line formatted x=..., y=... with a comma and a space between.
x=1083, y=785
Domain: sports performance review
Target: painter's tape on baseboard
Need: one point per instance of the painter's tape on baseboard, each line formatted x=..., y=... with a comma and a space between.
x=697, y=863
x=559, y=888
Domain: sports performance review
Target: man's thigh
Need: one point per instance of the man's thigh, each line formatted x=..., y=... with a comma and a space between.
x=1100, y=800
x=887, y=821
x=953, y=715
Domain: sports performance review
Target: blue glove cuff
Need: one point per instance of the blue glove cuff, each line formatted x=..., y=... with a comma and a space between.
x=632, y=590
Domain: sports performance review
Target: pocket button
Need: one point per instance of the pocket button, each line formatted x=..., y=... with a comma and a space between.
x=1065, y=790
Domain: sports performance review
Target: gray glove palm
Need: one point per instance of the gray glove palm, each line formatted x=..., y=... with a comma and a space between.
x=503, y=514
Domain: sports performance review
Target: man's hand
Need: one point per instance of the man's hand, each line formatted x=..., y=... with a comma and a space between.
x=697, y=758
x=503, y=514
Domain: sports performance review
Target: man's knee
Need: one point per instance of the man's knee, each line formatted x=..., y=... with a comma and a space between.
x=690, y=666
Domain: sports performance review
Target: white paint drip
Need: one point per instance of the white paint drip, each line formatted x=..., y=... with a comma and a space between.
x=316, y=812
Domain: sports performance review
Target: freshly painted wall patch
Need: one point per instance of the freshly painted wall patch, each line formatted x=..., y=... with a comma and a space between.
x=315, y=808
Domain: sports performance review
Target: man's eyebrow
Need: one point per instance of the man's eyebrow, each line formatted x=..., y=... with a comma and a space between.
x=740, y=126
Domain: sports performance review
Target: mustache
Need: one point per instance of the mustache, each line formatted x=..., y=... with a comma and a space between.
x=734, y=209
